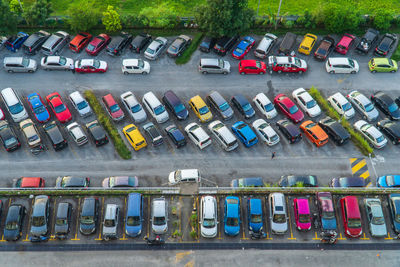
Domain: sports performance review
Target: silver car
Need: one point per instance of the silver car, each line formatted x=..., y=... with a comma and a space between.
x=159, y=216
x=375, y=216
x=156, y=47
x=56, y=63
x=77, y=133
x=40, y=218
x=133, y=106
x=19, y=64
x=80, y=104
x=278, y=213
x=214, y=65
x=363, y=105
x=55, y=43
x=225, y=137
x=110, y=223
x=208, y=217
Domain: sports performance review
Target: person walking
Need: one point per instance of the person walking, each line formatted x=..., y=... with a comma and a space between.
x=72, y=68
x=273, y=155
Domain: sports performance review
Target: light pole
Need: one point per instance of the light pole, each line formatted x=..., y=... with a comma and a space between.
x=279, y=9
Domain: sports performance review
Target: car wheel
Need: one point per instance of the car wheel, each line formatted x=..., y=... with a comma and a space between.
x=126, y=73
x=394, y=142
x=279, y=71
x=144, y=73
x=225, y=73
x=353, y=72
x=332, y=72
x=243, y=73
x=261, y=73
x=301, y=72
x=204, y=72
x=392, y=71
x=10, y=71
x=30, y=71
x=374, y=71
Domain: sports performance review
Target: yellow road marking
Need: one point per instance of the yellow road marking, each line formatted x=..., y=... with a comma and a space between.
x=341, y=237
x=364, y=237
x=180, y=255
x=101, y=219
x=2, y=239
x=29, y=223
x=190, y=264
x=365, y=175
x=198, y=225
x=290, y=223
x=77, y=221
x=388, y=237
x=352, y=160
x=358, y=166
x=316, y=237
x=123, y=234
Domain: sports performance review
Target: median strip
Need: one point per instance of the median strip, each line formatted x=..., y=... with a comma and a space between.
x=187, y=54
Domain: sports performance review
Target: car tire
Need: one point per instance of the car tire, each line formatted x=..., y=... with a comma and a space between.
x=144, y=73
x=301, y=72
x=225, y=73
x=261, y=73
x=204, y=72
x=332, y=72
x=392, y=71
x=243, y=73
x=279, y=71
x=30, y=71
x=10, y=71
x=126, y=73
x=374, y=71
x=353, y=72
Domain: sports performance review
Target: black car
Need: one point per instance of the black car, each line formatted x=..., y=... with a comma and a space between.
x=207, y=44
x=289, y=130
x=391, y=129
x=89, y=215
x=14, y=222
x=348, y=182
x=63, y=220
x=118, y=44
x=386, y=44
x=243, y=105
x=97, y=133
x=8, y=137
x=298, y=180
x=34, y=42
x=335, y=130
x=176, y=136
x=55, y=136
x=179, y=45
x=72, y=181
x=140, y=42
x=225, y=44
x=175, y=105
x=369, y=38
x=40, y=217
x=152, y=131
x=386, y=104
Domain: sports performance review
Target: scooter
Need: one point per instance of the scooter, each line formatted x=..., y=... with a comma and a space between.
x=156, y=241
x=257, y=235
x=329, y=237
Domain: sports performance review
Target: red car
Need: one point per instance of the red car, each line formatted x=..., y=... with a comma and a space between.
x=97, y=44
x=286, y=64
x=351, y=216
x=80, y=41
x=344, y=44
x=90, y=66
x=250, y=66
x=289, y=108
x=57, y=106
x=302, y=214
x=113, y=108
x=29, y=182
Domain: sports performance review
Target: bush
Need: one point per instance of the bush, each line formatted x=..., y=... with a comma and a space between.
x=176, y=234
x=383, y=18
x=132, y=21
x=187, y=54
x=193, y=220
x=396, y=54
x=162, y=16
x=338, y=18
x=193, y=234
x=104, y=119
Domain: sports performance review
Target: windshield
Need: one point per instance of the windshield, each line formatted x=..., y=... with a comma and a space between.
x=10, y=141
x=279, y=218
x=354, y=223
x=96, y=63
x=269, y=107
x=390, y=180
x=12, y=226
x=247, y=107
x=397, y=218
x=369, y=107
x=209, y=223
x=311, y=104
x=61, y=221
x=239, y=50
x=17, y=108
x=159, y=221
x=25, y=62
x=232, y=221
x=255, y=218
x=328, y=215
x=33, y=138
x=149, y=50
x=114, y=108
x=346, y=106
x=60, y=108
x=351, y=62
x=62, y=61
x=393, y=107
x=158, y=110
x=380, y=139
x=133, y=221
x=304, y=218
x=140, y=64
x=321, y=51
x=221, y=63
x=39, y=110
x=293, y=109
x=378, y=220
x=179, y=108
x=224, y=106
x=203, y=110
x=87, y=220
x=38, y=221
x=82, y=105
x=173, y=48
x=109, y=223
x=136, y=108
x=297, y=62
x=90, y=47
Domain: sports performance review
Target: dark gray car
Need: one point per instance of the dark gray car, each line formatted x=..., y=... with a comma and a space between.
x=217, y=101
x=179, y=45
x=63, y=220
x=40, y=218
x=89, y=215
x=54, y=134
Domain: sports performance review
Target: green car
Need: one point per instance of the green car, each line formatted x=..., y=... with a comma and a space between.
x=382, y=64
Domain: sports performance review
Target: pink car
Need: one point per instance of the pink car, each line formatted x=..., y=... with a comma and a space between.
x=344, y=44
x=302, y=214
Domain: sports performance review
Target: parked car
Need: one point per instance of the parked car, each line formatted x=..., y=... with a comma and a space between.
x=386, y=104
x=265, y=106
x=34, y=42
x=335, y=130
x=62, y=224
x=89, y=215
x=219, y=103
x=134, y=137
x=90, y=66
x=155, y=108
x=243, y=47
x=154, y=134
x=232, y=216
x=140, y=42
x=110, y=222
x=295, y=180
x=40, y=217
x=371, y=133
x=3, y=40
x=324, y=48
x=286, y=64
x=307, y=44
x=55, y=136
x=79, y=42
x=287, y=44
x=19, y=64
x=255, y=216
x=112, y=107
x=184, y=176
x=175, y=105
x=15, y=42
x=344, y=44
x=176, y=135
x=159, y=216
x=247, y=182
x=72, y=181
x=29, y=182
x=214, y=65
x=179, y=45
x=77, y=133
x=225, y=44
x=367, y=41
x=306, y=102
x=244, y=133
x=200, y=109
x=207, y=44
x=30, y=132
x=288, y=108
x=97, y=133
x=120, y=181
x=266, y=132
x=345, y=182
x=208, y=217
x=382, y=64
x=118, y=44
x=326, y=210
x=59, y=109
x=134, y=215
x=302, y=214
x=55, y=43
x=315, y=133
x=376, y=219
x=391, y=129
x=225, y=138
x=97, y=44
x=351, y=216
x=156, y=47
x=394, y=210
x=80, y=104
x=278, y=217
x=56, y=63
x=243, y=106
x=289, y=130
x=38, y=108
x=133, y=106
x=388, y=181
x=135, y=66
x=8, y=137
x=363, y=105
x=199, y=137
x=335, y=65
x=251, y=66
x=341, y=105
x=386, y=44
x=265, y=45
x=14, y=222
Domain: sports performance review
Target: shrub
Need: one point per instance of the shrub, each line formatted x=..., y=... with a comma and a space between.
x=193, y=234
x=338, y=18
x=111, y=19
x=187, y=54
x=176, y=234
x=161, y=16
x=396, y=54
x=193, y=220
x=383, y=18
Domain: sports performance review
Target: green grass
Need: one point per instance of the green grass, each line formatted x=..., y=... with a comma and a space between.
x=187, y=54
x=396, y=54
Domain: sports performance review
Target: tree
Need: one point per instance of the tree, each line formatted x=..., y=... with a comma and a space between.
x=83, y=15
x=338, y=18
x=8, y=19
x=383, y=18
x=162, y=16
x=37, y=13
x=111, y=20
x=224, y=17
x=15, y=6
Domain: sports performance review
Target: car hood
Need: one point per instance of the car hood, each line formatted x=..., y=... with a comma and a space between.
x=255, y=227
x=103, y=65
x=314, y=111
x=162, y=117
x=349, y=113
x=303, y=64
x=133, y=230
x=87, y=228
x=183, y=114
x=159, y=229
x=373, y=114
x=32, y=64
x=378, y=230
x=303, y=226
x=11, y=234
x=227, y=66
x=232, y=230
x=279, y=227
x=171, y=178
x=39, y=231
x=69, y=62
x=208, y=232
x=328, y=224
x=110, y=230
x=61, y=229
x=356, y=66
x=44, y=116
x=396, y=114
x=139, y=116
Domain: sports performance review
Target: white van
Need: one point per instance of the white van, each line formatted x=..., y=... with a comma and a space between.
x=14, y=105
x=341, y=65
x=155, y=108
x=186, y=175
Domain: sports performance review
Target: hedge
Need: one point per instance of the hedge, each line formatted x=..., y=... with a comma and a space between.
x=187, y=54
x=104, y=119
x=358, y=140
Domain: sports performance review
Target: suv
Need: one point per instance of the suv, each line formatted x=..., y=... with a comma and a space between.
x=63, y=220
x=369, y=38
x=175, y=105
x=40, y=218
x=255, y=214
x=289, y=130
x=56, y=137
x=351, y=216
x=176, y=135
x=214, y=65
x=326, y=210
x=208, y=217
x=134, y=215
x=179, y=45
x=55, y=43
x=153, y=133
x=159, y=216
x=89, y=216
x=14, y=222
x=118, y=44
x=207, y=44
x=225, y=44
x=34, y=42
x=139, y=42
x=217, y=101
x=8, y=138
x=341, y=65
x=19, y=64
x=110, y=223
x=277, y=213
x=386, y=44
x=15, y=42
x=335, y=130
x=225, y=137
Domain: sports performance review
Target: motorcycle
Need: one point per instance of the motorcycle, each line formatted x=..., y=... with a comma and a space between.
x=257, y=235
x=329, y=237
x=155, y=241
x=37, y=149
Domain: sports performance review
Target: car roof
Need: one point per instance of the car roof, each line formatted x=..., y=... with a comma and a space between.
x=88, y=206
x=198, y=101
x=340, y=98
x=241, y=99
x=74, y=181
x=353, y=210
x=159, y=207
x=13, y=60
x=255, y=206
x=62, y=209
x=131, y=62
x=308, y=39
x=303, y=206
x=381, y=60
x=217, y=97
x=40, y=205
x=232, y=211
x=345, y=40
x=339, y=60
x=111, y=210
x=30, y=182
x=13, y=213
x=134, y=203
x=304, y=95
x=172, y=97
x=251, y=181
x=293, y=179
x=284, y=99
x=209, y=207
x=87, y=62
x=279, y=200
x=209, y=61
x=109, y=99
x=248, y=62
x=384, y=97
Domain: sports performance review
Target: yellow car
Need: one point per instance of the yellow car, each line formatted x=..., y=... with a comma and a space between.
x=134, y=137
x=200, y=108
x=307, y=44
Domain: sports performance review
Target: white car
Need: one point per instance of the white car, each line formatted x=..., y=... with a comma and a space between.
x=371, y=133
x=208, y=217
x=277, y=213
x=155, y=108
x=155, y=48
x=363, y=105
x=265, y=106
x=306, y=102
x=135, y=66
x=225, y=137
x=341, y=105
x=77, y=133
x=159, y=216
x=198, y=135
x=56, y=63
x=341, y=65
x=80, y=104
x=185, y=175
x=133, y=106
x=266, y=132
x=30, y=132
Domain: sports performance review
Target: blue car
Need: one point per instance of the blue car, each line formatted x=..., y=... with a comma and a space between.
x=38, y=108
x=134, y=215
x=326, y=211
x=388, y=181
x=245, y=133
x=255, y=214
x=15, y=42
x=394, y=204
x=232, y=216
x=243, y=47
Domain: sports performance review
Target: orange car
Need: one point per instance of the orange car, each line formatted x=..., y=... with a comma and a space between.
x=80, y=41
x=315, y=133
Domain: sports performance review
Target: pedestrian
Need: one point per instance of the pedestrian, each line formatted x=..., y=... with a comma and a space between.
x=72, y=68
x=273, y=155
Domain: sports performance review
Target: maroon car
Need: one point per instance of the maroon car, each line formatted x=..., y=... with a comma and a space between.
x=289, y=108
x=97, y=44
x=113, y=108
